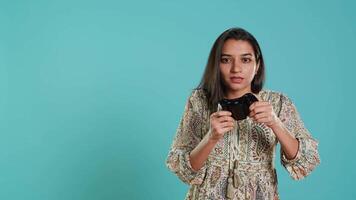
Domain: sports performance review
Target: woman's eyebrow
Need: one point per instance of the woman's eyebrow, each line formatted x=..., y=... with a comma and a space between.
x=246, y=54
x=224, y=54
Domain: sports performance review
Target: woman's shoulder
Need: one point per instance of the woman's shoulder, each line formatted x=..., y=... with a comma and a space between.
x=197, y=99
x=278, y=99
x=273, y=95
x=197, y=94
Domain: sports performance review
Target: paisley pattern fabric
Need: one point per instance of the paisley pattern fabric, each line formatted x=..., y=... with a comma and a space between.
x=255, y=151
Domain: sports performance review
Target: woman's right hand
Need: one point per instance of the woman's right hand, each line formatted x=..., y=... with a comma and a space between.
x=220, y=123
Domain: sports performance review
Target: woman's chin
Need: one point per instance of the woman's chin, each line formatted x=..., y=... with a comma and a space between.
x=236, y=87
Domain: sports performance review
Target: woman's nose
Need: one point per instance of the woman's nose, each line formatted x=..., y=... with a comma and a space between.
x=235, y=67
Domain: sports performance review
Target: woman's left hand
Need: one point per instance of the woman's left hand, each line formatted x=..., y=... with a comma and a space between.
x=262, y=112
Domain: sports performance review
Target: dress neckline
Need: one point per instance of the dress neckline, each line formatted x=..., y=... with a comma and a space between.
x=259, y=94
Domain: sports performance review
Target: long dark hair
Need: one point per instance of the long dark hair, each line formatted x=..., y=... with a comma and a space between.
x=211, y=82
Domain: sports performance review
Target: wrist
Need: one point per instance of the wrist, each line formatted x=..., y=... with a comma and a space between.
x=277, y=125
x=211, y=139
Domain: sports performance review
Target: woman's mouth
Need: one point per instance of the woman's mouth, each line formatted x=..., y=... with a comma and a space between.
x=236, y=79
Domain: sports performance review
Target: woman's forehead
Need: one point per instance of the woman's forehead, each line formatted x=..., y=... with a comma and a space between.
x=234, y=47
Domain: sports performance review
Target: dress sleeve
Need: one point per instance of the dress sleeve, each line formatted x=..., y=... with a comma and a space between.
x=307, y=157
x=187, y=137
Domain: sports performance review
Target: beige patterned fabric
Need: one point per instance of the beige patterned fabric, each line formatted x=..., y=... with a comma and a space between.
x=255, y=151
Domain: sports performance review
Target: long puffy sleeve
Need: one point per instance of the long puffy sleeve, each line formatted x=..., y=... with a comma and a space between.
x=307, y=157
x=187, y=137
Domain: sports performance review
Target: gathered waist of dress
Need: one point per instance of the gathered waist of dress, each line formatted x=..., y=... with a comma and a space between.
x=247, y=165
x=255, y=166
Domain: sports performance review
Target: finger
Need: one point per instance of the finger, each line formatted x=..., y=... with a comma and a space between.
x=262, y=104
x=262, y=108
x=213, y=114
x=260, y=115
x=227, y=124
x=216, y=114
x=225, y=130
x=257, y=104
x=252, y=105
x=225, y=119
x=223, y=113
x=263, y=120
x=220, y=113
x=258, y=110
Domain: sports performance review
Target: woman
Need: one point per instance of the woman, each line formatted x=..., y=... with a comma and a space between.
x=223, y=158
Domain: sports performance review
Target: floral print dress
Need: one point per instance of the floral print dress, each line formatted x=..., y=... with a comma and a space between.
x=252, y=144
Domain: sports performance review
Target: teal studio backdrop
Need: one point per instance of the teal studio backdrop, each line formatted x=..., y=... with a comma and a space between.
x=92, y=91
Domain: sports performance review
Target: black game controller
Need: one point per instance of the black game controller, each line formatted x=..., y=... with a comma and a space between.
x=239, y=107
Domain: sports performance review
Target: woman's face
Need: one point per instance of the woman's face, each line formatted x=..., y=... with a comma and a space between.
x=238, y=67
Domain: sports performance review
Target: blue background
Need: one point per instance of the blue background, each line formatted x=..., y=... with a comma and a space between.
x=92, y=91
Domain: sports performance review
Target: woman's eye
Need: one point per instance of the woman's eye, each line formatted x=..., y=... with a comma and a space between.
x=225, y=60
x=246, y=60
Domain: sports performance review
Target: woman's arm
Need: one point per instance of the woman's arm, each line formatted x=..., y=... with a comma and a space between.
x=201, y=152
x=299, y=151
x=220, y=123
x=263, y=112
x=288, y=143
x=190, y=147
